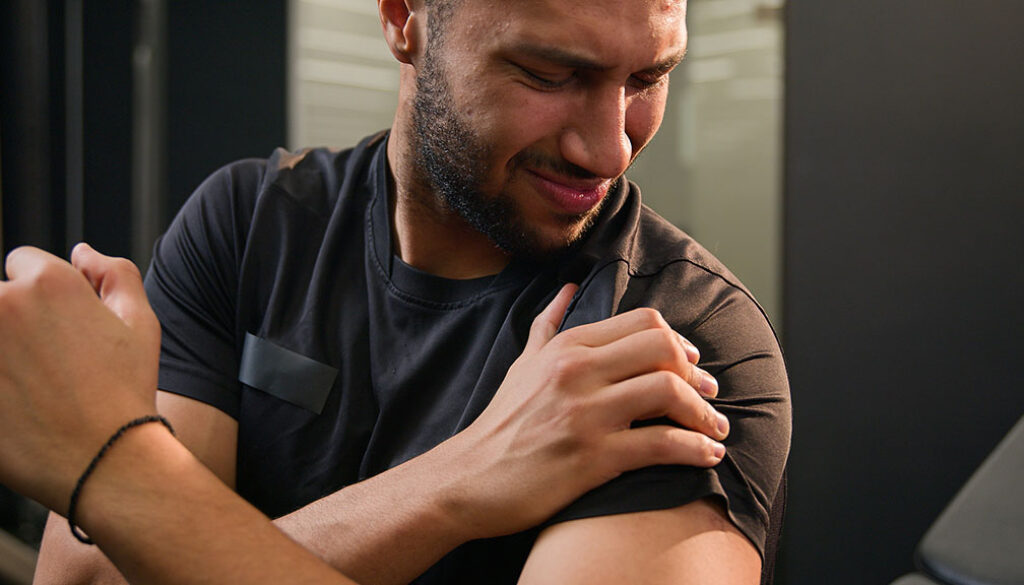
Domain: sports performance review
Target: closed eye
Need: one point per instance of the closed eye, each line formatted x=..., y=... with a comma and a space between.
x=546, y=81
x=644, y=82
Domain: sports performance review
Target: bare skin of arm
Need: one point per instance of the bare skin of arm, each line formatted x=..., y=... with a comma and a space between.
x=191, y=530
x=695, y=543
x=207, y=432
x=567, y=402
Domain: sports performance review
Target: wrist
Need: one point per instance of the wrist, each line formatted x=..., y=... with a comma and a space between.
x=91, y=468
x=455, y=488
x=134, y=468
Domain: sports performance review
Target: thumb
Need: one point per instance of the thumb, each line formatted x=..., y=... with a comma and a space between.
x=119, y=285
x=545, y=325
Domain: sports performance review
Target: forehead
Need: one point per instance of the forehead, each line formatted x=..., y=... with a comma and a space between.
x=618, y=32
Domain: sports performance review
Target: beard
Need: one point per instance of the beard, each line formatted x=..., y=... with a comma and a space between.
x=452, y=161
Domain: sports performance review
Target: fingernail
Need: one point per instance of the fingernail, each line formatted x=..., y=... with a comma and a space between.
x=723, y=424
x=708, y=384
x=691, y=350
x=718, y=450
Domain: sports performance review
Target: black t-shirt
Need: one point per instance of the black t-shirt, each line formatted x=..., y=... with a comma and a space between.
x=283, y=306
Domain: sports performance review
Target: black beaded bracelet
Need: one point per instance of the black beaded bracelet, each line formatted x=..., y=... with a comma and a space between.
x=75, y=530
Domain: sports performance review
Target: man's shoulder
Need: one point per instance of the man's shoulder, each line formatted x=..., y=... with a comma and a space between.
x=658, y=242
x=640, y=259
x=310, y=178
x=656, y=247
x=315, y=178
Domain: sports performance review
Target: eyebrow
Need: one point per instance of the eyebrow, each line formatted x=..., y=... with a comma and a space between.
x=667, y=65
x=573, y=60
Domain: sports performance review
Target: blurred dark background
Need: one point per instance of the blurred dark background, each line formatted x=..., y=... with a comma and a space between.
x=96, y=94
x=903, y=280
x=903, y=311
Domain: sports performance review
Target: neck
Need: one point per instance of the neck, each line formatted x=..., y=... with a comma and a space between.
x=425, y=234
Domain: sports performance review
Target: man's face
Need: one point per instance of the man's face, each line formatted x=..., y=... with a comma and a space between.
x=528, y=112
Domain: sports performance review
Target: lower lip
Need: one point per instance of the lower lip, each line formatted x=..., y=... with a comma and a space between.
x=570, y=200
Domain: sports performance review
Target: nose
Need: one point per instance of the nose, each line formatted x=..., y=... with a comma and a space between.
x=596, y=138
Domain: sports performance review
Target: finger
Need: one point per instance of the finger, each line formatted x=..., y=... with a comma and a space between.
x=662, y=445
x=648, y=351
x=692, y=353
x=617, y=327
x=90, y=263
x=119, y=284
x=26, y=261
x=545, y=325
x=628, y=323
x=661, y=394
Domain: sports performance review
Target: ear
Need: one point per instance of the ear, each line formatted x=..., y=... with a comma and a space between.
x=400, y=21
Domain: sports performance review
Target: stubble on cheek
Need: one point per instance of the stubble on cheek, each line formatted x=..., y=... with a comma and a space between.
x=456, y=166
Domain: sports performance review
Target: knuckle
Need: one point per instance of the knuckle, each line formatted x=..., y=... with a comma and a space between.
x=538, y=320
x=48, y=278
x=663, y=446
x=16, y=253
x=126, y=267
x=671, y=387
x=538, y=326
x=651, y=318
x=669, y=347
x=567, y=337
x=667, y=380
x=566, y=366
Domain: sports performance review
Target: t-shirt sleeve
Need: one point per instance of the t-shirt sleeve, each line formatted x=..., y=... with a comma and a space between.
x=740, y=349
x=192, y=285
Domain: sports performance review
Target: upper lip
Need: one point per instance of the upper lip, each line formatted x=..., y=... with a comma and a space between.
x=571, y=182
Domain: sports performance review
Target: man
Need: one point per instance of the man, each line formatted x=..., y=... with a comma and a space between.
x=73, y=367
x=395, y=285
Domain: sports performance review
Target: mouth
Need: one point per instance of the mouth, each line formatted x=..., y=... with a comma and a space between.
x=570, y=196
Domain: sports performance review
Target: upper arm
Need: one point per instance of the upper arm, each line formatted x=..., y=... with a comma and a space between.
x=209, y=433
x=694, y=543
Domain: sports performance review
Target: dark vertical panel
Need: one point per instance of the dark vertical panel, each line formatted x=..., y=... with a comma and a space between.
x=107, y=106
x=225, y=96
x=66, y=115
x=904, y=229
x=74, y=130
x=32, y=211
x=149, y=127
x=226, y=87
x=55, y=109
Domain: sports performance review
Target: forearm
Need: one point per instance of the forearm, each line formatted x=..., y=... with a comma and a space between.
x=189, y=530
x=413, y=509
x=65, y=561
x=392, y=527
